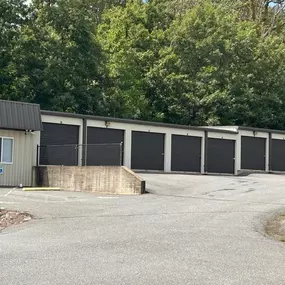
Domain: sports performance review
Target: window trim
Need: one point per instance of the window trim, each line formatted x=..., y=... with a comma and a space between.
x=1, y=150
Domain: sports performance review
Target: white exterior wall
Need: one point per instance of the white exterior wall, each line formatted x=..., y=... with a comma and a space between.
x=278, y=136
x=24, y=158
x=67, y=121
x=226, y=128
x=226, y=136
x=238, y=154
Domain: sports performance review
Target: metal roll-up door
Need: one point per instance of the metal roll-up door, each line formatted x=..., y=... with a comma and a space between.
x=186, y=153
x=277, y=155
x=220, y=156
x=147, y=151
x=59, y=144
x=104, y=146
x=253, y=152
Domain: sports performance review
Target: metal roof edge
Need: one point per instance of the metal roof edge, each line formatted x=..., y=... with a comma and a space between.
x=20, y=102
x=253, y=129
x=227, y=128
x=133, y=121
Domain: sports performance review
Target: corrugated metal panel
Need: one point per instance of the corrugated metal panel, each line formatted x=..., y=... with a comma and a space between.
x=20, y=116
x=24, y=158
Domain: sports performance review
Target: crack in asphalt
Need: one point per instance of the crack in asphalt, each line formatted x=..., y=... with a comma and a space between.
x=215, y=199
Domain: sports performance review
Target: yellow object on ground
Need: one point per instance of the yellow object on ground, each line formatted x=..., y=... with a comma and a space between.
x=41, y=189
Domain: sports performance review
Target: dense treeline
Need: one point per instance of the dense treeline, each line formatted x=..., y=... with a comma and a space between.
x=197, y=62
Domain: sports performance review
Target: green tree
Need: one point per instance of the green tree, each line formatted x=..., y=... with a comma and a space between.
x=58, y=61
x=14, y=14
x=190, y=62
x=131, y=38
x=219, y=70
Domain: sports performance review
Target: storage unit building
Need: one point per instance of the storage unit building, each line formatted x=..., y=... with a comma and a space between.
x=72, y=139
x=146, y=145
x=20, y=126
x=168, y=147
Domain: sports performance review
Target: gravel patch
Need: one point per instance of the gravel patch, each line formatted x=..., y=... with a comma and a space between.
x=275, y=227
x=10, y=218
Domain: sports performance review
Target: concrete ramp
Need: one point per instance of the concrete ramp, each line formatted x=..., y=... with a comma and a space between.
x=96, y=179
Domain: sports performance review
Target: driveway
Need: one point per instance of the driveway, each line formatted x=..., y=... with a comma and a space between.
x=188, y=230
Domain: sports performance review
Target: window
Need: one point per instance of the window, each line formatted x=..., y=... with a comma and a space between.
x=6, y=150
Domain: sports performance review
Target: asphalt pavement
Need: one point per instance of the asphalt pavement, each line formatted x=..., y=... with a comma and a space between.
x=189, y=229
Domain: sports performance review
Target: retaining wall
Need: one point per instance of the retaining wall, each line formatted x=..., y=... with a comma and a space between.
x=95, y=179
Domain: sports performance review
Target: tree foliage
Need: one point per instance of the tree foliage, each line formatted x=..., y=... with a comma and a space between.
x=190, y=62
x=225, y=70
